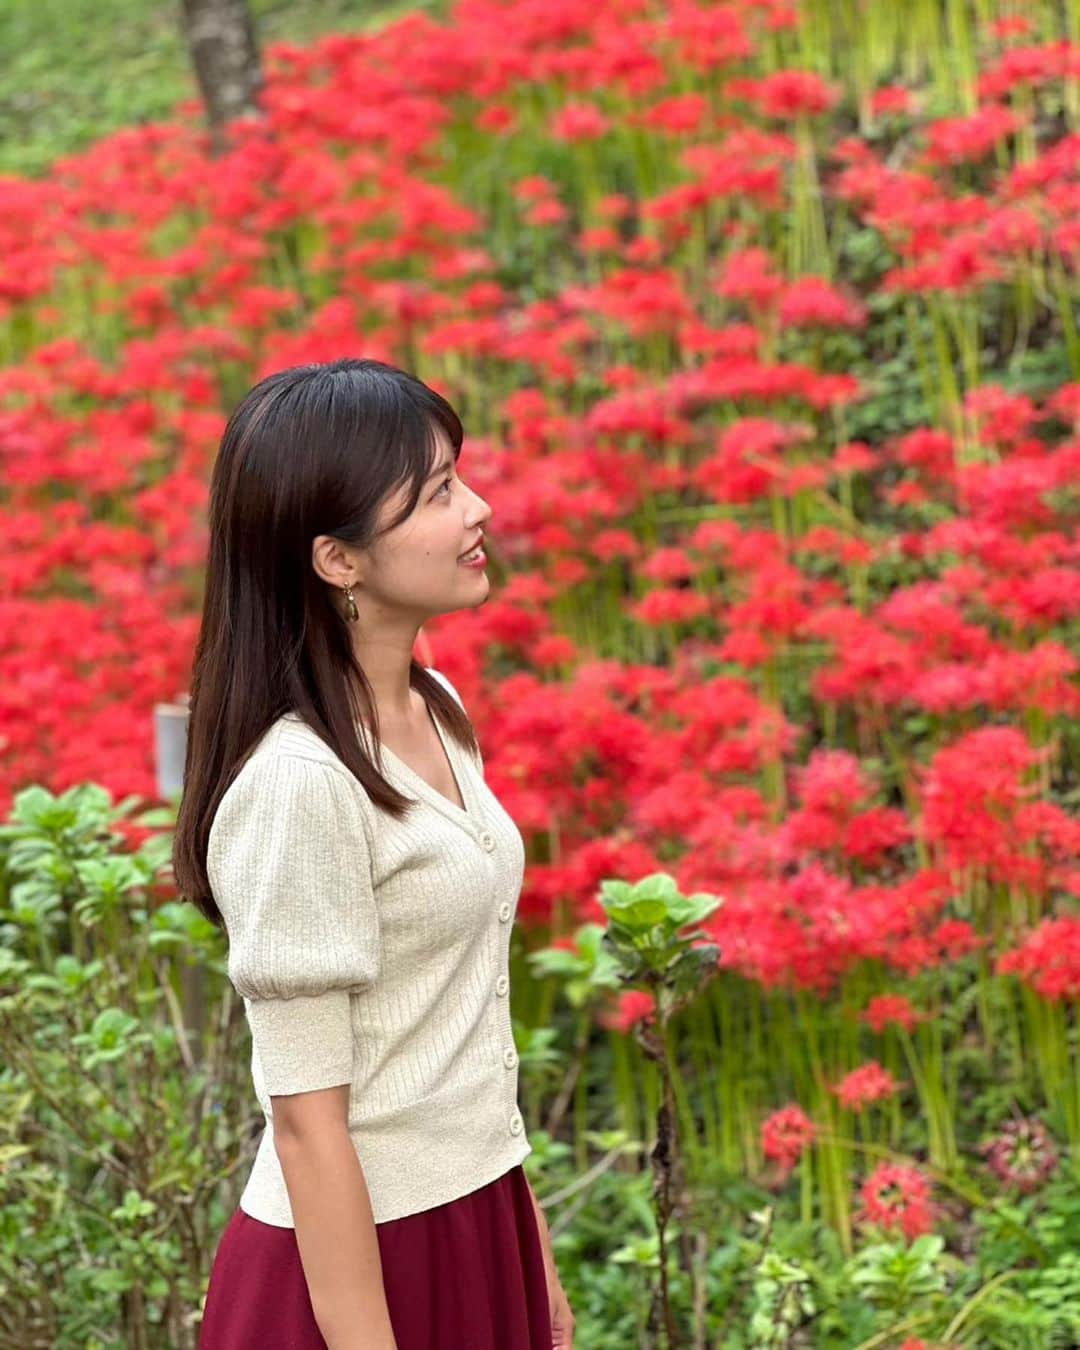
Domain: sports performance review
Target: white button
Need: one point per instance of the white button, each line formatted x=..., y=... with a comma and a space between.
x=510, y=1057
x=502, y=984
x=516, y=1124
x=487, y=839
x=504, y=911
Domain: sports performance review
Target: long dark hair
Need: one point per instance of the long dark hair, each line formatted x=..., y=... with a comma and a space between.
x=311, y=450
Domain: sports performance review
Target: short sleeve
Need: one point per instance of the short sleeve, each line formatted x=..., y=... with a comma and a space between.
x=290, y=869
x=438, y=675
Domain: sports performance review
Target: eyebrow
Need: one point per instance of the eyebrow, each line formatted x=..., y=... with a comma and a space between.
x=439, y=468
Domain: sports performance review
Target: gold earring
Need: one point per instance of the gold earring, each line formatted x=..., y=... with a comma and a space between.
x=351, y=612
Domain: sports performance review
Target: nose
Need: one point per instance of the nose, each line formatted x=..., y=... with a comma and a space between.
x=485, y=510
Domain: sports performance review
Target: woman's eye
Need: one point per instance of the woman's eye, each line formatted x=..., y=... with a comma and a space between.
x=445, y=483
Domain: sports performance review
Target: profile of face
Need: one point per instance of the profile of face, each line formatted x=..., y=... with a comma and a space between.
x=415, y=570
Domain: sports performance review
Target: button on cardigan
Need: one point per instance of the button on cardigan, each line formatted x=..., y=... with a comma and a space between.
x=374, y=952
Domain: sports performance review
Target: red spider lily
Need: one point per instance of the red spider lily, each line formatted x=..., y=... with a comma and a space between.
x=786, y=1134
x=665, y=606
x=886, y=1009
x=893, y=98
x=579, y=122
x=955, y=939
x=1028, y=67
x=497, y=117
x=812, y=301
x=832, y=815
x=864, y=1085
x=824, y=542
x=644, y=301
x=898, y=1197
x=1003, y=418
x=600, y=239
x=972, y=793
x=1048, y=959
x=747, y=164
x=678, y=115
x=854, y=457
x=631, y=1007
x=786, y=93
x=1014, y=230
x=963, y=264
x=957, y=140
x=707, y=36
x=534, y=188
x=747, y=462
x=748, y=275
x=668, y=564
x=1014, y=25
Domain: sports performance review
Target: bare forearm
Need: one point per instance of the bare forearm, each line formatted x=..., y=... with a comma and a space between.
x=336, y=1236
x=545, y=1236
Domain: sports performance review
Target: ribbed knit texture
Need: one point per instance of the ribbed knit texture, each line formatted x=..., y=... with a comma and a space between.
x=374, y=952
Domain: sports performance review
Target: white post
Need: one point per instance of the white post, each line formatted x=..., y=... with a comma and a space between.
x=170, y=750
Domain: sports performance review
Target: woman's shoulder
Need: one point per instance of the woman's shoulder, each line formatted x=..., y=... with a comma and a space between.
x=438, y=675
x=289, y=752
x=291, y=743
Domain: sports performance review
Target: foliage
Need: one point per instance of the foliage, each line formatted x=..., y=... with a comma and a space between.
x=119, y=1130
x=762, y=323
x=75, y=70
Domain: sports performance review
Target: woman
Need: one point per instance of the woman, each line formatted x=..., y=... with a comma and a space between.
x=335, y=820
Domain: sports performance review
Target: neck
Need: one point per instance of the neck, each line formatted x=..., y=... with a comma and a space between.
x=385, y=661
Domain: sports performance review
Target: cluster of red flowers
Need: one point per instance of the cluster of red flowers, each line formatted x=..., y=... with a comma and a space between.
x=888, y=1009
x=896, y=1197
x=1048, y=959
x=656, y=403
x=868, y=1083
x=786, y=1134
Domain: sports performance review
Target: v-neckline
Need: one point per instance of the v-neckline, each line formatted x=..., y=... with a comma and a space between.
x=426, y=790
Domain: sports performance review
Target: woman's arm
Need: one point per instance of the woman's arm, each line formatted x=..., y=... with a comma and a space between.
x=545, y=1239
x=335, y=1229
x=562, y=1316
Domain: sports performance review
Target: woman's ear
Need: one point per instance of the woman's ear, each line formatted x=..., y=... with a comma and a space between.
x=336, y=563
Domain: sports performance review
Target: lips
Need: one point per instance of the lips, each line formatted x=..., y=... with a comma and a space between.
x=472, y=547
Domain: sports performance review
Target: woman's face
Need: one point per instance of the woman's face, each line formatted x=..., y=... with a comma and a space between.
x=416, y=566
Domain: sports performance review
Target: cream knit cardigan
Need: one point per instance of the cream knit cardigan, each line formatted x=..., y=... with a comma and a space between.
x=374, y=952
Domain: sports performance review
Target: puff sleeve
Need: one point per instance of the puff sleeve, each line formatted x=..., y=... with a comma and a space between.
x=289, y=865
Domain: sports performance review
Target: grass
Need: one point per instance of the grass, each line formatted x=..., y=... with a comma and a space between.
x=75, y=70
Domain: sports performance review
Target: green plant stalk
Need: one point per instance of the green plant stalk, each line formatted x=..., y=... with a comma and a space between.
x=925, y=51
x=1072, y=87
x=935, y=1107
x=806, y=1187
x=685, y=1117
x=962, y=50
x=626, y=1093
x=731, y=1067
x=1063, y=291
x=832, y=1157
x=1014, y=1035
x=907, y=787
x=581, y=1123
x=949, y=404
x=703, y=1052
x=1057, y=1078
x=969, y=1307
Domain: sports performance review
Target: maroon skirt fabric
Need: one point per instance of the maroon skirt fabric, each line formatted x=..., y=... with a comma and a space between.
x=466, y=1274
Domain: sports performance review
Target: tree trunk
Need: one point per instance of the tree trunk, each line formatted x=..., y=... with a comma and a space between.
x=221, y=38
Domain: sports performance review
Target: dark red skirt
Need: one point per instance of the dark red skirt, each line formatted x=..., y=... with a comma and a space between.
x=466, y=1274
